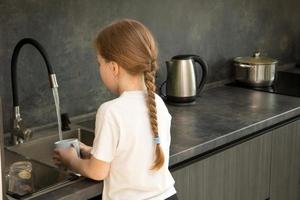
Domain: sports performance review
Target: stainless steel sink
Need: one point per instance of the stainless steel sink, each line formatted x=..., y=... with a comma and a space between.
x=41, y=149
x=39, y=152
x=90, y=124
x=45, y=178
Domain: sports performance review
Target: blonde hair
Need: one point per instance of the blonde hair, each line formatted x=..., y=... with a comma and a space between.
x=131, y=44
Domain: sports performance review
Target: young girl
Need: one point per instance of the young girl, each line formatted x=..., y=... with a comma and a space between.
x=132, y=135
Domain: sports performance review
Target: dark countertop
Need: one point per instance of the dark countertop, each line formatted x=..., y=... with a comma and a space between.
x=221, y=115
x=225, y=114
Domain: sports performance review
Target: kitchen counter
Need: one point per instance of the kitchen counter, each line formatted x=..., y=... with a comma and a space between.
x=221, y=116
x=225, y=114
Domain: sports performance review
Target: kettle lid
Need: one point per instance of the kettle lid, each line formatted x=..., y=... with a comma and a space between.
x=183, y=57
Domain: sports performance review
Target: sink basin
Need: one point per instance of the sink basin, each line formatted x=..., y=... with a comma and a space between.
x=44, y=177
x=41, y=149
x=39, y=152
x=90, y=124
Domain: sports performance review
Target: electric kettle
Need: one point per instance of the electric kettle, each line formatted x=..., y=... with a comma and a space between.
x=182, y=78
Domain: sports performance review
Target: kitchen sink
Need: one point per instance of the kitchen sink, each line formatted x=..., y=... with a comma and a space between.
x=89, y=124
x=41, y=149
x=45, y=178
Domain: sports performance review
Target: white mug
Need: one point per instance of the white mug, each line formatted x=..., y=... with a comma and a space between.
x=73, y=142
x=67, y=143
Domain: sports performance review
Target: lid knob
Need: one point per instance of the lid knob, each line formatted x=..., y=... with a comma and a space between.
x=256, y=54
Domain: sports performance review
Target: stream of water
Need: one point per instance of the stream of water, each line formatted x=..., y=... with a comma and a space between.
x=56, y=100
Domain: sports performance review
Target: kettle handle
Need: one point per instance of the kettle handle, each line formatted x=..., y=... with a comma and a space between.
x=204, y=67
x=164, y=96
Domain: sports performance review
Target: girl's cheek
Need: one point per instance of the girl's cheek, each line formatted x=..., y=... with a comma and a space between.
x=108, y=79
x=111, y=82
x=102, y=74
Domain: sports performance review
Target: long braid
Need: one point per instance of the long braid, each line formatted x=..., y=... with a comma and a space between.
x=150, y=84
x=132, y=46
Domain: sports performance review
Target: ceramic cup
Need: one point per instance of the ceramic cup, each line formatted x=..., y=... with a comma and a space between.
x=73, y=142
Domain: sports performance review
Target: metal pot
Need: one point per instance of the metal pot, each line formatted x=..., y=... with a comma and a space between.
x=255, y=71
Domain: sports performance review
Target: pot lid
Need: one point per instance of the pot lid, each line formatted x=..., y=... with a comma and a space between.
x=255, y=59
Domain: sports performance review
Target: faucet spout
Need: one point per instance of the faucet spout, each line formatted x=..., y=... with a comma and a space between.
x=19, y=132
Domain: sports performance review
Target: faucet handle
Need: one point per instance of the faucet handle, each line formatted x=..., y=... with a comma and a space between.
x=65, y=121
x=19, y=132
x=27, y=134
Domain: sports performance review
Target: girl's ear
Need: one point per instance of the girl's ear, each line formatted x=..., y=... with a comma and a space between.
x=115, y=68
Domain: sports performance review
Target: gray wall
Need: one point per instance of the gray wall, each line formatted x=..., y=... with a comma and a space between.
x=217, y=30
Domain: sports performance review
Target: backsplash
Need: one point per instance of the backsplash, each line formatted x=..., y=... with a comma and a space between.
x=216, y=30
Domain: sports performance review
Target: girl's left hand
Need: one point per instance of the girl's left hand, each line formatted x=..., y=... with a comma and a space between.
x=64, y=157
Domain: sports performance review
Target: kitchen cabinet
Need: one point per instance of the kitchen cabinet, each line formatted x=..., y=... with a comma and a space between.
x=265, y=167
x=285, y=163
x=240, y=172
x=2, y=189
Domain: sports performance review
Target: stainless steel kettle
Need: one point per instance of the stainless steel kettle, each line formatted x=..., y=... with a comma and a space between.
x=182, y=76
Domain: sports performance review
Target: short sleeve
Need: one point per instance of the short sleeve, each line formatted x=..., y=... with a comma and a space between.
x=106, y=135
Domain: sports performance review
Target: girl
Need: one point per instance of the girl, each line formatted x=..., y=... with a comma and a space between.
x=132, y=135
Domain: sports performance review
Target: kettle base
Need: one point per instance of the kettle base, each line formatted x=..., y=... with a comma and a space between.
x=180, y=104
x=181, y=100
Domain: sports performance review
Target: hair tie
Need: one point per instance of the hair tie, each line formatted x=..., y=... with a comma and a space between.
x=151, y=64
x=156, y=140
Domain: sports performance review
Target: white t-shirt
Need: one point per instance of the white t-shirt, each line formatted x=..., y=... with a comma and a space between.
x=124, y=138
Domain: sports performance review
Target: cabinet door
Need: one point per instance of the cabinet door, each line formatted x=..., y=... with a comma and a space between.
x=285, y=167
x=240, y=172
x=2, y=183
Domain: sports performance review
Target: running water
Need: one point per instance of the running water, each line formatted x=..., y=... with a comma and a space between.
x=56, y=101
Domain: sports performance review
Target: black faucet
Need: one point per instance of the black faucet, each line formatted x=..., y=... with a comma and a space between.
x=20, y=133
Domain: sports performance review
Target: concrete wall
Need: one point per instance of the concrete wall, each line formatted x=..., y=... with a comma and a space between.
x=216, y=30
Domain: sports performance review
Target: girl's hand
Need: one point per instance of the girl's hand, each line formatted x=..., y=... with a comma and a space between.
x=64, y=157
x=85, y=151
